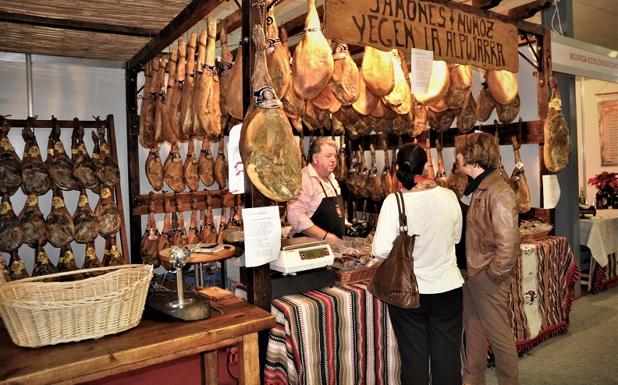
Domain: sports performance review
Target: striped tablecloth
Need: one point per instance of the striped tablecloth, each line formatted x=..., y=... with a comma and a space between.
x=542, y=291
x=342, y=334
x=336, y=335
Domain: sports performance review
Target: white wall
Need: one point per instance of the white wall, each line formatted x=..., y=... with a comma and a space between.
x=65, y=88
x=589, y=156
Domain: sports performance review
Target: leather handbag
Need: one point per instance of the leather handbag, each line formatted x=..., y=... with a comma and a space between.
x=394, y=281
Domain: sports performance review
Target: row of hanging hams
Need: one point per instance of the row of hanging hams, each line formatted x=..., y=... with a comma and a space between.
x=197, y=166
x=174, y=231
x=60, y=227
x=37, y=177
x=325, y=88
x=187, y=102
x=16, y=268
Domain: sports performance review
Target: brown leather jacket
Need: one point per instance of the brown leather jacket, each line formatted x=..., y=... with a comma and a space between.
x=492, y=229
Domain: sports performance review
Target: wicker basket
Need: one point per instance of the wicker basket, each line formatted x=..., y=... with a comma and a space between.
x=356, y=275
x=38, y=313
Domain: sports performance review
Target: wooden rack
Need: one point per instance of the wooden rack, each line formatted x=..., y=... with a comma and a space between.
x=184, y=201
x=111, y=139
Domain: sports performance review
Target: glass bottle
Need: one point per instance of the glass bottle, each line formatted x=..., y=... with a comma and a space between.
x=582, y=197
x=599, y=199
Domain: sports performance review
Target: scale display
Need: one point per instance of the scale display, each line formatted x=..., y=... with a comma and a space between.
x=313, y=253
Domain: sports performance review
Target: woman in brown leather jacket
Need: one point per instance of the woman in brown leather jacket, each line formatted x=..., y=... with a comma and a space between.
x=492, y=249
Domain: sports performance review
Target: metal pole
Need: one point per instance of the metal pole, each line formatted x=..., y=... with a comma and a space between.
x=29, y=88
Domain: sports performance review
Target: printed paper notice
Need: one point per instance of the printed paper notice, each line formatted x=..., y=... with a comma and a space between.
x=236, y=169
x=422, y=65
x=262, y=229
x=551, y=191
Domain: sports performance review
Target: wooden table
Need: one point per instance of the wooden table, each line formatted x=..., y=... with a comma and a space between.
x=151, y=342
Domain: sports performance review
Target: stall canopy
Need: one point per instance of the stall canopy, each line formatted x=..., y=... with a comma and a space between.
x=127, y=30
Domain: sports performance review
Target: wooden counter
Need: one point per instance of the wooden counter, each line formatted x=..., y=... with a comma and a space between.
x=150, y=343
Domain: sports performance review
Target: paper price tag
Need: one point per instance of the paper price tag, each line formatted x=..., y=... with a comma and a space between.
x=422, y=65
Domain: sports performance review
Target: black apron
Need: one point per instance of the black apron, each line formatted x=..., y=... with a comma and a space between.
x=329, y=215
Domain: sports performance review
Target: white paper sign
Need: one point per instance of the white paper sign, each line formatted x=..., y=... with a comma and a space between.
x=262, y=228
x=422, y=65
x=551, y=191
x=236, y=169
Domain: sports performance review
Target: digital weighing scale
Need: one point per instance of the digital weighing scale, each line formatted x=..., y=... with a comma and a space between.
x=303, y=256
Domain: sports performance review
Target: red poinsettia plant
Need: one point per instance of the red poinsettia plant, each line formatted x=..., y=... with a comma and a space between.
x=605, y=181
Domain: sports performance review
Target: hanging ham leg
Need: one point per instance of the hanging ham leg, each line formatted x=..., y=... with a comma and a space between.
x=10, y=164
x=556, y=133
x=366, y=101
x=378, y=71
x=90, y=259
x=207, y=105
x=186, y=100
x=173, y=170
x=193, y=235
x=154, y=168
x=268, y=149
x=60, y=227
x=221, y=165
x=86, y=223
x=34, y=174
x=208, y=233
x=147, y=111
x=191, y=174
x=58, y=163
x=233, y=98
x=345, y=82
x=518, y=180
x=160, y=109
x=277, y=59
x=108, y=213
x=42, y=264
x=150, y=241
x=17, y=267
x=206, y=164
x=503, y=85
x=33, y=223
x=66, y=260
x=181, y=69
x=400, y=98
x=225, y=74
x=387, y=181
x=431, y=174
x=84, y=168
x=374, y=184
x=11, y=232
x=172, y=99
x=313, y=64
x=202, y=85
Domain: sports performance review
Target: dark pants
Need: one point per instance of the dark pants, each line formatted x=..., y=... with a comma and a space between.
x=433, y=330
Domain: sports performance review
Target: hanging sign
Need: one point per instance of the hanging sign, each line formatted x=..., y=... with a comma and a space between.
x=453, y=35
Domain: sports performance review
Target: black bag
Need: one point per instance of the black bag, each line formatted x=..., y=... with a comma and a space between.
x=394, y=281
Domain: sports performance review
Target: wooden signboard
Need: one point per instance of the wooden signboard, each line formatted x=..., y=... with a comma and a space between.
x=452, y=34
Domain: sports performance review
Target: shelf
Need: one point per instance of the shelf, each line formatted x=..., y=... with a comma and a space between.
x=203, y=199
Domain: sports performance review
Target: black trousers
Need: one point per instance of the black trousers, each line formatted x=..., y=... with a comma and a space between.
x=430, y=335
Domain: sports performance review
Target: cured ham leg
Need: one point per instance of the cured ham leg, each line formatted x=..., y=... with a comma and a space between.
x=191, y=174
x=34, y=173
x=10, y=164
x=206, y=164
x=268, y=149
x=277, y=58
x=400, y=98
x=154, y=168
x=313, y=64
x=503, y=85
x=378, y=71
x=233, y=98
x=221, y=165
x=147, y=110
x=518, y=180
x=186, y=100
x=149, y=245
x=556, y=133
x=345, y=82
x=208, y=110
x=173, y=170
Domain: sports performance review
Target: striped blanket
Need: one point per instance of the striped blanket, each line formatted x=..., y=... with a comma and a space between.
x=342, y=334
x=335, y=335
x=542, y=291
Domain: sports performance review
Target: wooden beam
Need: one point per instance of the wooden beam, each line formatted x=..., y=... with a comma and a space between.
x=483, y=4
x=194, y=12
x=528, y=10
x=76, y=25
x=233, y=20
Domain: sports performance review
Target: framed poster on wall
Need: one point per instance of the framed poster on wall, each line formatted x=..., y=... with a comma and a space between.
x=607, y=107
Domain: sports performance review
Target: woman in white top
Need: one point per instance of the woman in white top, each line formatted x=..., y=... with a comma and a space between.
x=434, y=329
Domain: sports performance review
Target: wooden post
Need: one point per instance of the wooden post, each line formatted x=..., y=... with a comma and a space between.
x=135, y=221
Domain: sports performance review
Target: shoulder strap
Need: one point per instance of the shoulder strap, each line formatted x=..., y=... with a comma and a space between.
x=403, y=221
